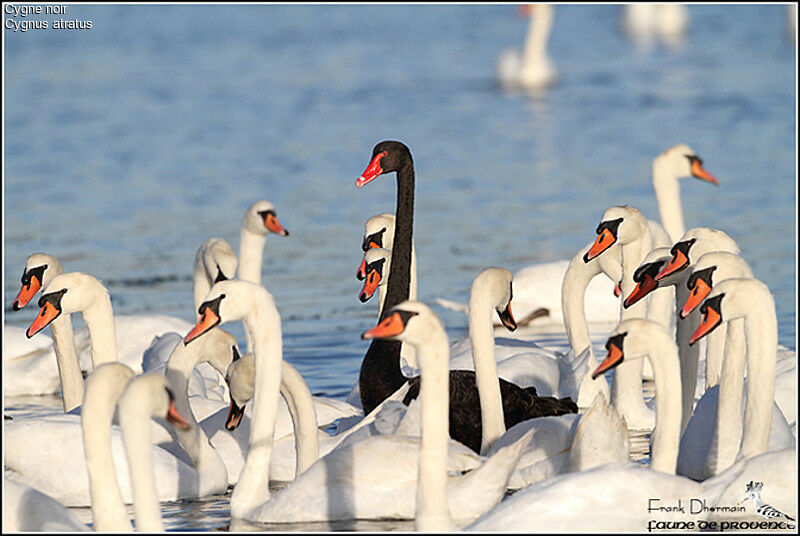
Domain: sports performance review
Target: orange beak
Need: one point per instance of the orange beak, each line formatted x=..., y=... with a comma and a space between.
x=678, y=262
x=26, y=294
x=618, y=289
x=361, y=273
x=370, y=286
x=700, y=173
x=391, y=326
x=47, y=314
x=373, y=170
x=603, y=241
x=273, y=225
x=206, y=322
x=696, y=297
x=711, y=320
x=643, y=288
x=613, y=359
x=234, y=416
x=176, y=418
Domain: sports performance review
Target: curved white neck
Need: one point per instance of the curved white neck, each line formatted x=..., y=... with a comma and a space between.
x=304, y=416
x=136, y=434
x=432, y=511
x=668, y=196
x=99, y=320
x=573, y=290
x=204, y=457
x=481, y=335
x=69, y=368
x=108, y=508
x=761, y=333
x=252, y=489
x=665, y=440
x=251, y=252
x=728, y=427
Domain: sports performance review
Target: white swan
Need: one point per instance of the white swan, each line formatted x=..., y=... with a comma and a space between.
x=378, y=476
x=749, y=300
x=625, y=228
x=28, y=367
x=531, y=67
x=379, y=233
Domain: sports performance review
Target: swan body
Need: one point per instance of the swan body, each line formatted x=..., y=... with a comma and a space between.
x=531, y=67
x=645, y=23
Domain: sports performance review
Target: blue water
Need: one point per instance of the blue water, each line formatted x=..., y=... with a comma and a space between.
x=128, y=144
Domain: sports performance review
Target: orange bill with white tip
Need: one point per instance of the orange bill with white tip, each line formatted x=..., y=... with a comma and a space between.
x=373, y=170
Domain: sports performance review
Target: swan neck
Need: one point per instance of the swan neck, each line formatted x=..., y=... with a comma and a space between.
x=264, y=325
x=136, y=434
x=194, y=441
x=666, y=434
x=573, y=290
x=481, y=334
x=200, y=284
x=668, y=197
x=304, y=416
x=251, y=252
x=108, y=508
x=761, y=333
x=69, y=368
x=538, y=33
x=689, y=355
x=434, y=397
x=398, y=287
x=99, y=320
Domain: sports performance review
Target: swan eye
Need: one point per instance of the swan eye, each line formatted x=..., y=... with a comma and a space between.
x=53, y=298
x=651, y=269
x=616, y=340
x=611, y=225
x=704, y=275
x=683, y=247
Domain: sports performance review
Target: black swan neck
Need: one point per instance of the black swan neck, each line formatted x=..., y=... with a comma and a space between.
x=399, y=284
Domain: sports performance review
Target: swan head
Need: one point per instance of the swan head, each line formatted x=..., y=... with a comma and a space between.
x=241, y=386
x=262, y=219
x=150, y=393
x=645, y=275
x=496, y=282
x=695, y=243
x=387, y=156
x=682, y=161
x=376, y=268
x=228, y=301
x=67, y=293
x=40, y=269
x=634, y=338
x=219, y=259
x=378, y=233
x=714, y=266
x=732, y=299
x=620, y=225
x=410, y=321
